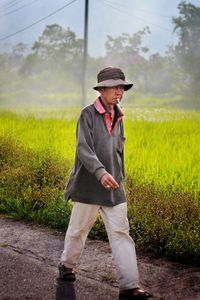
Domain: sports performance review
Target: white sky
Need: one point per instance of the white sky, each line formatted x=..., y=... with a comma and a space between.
x=106, y=17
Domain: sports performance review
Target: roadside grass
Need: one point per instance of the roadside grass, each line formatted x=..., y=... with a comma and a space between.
x=32, y=185
x=162, y=175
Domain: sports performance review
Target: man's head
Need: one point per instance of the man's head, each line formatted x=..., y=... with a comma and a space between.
x=111, y=85
x=112, y=77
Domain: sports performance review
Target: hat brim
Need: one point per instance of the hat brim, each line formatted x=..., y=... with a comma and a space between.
x=112, y=82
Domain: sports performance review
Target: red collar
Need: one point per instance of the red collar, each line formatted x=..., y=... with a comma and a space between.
x=99, y=107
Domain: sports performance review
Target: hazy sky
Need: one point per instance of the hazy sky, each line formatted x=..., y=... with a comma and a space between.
x=106, y=17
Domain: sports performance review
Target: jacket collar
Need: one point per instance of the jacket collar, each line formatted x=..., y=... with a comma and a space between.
x=100, y=108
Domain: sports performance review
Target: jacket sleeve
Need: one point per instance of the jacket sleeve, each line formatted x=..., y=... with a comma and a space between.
x=85, y=146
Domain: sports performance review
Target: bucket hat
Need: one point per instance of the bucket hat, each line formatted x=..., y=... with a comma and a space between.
x=110, y=76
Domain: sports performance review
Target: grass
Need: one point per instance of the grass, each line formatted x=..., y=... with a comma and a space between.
x=162, y=174
x=165, y=154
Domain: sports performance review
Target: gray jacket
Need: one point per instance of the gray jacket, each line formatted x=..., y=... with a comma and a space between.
x=97, y=152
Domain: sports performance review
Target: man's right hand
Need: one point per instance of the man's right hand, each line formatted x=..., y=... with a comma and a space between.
x=109, y=182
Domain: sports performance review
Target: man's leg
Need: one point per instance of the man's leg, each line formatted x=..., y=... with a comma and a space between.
x=123, y=247
x=81, y=221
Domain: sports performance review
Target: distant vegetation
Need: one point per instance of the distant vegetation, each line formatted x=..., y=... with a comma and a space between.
x=51, y=72
x=162, y=175
x=162, y=146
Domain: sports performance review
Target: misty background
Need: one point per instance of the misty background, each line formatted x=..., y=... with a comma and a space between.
x=44, y=66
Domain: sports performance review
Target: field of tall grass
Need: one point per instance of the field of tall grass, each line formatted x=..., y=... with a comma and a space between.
x=162, y=183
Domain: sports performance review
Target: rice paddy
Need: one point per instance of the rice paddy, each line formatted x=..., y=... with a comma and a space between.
x=162, y=160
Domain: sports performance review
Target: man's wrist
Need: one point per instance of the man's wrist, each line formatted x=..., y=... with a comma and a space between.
x=100, y=173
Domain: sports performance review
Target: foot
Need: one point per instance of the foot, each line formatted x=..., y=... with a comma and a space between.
x=66, y=273
x=136, y=293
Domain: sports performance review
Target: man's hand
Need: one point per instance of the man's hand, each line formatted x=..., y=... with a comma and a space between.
x=109, y=182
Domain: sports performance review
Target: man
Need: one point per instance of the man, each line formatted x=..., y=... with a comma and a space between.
x=96, y=184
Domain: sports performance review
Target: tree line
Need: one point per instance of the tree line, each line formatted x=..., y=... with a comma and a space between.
x=54, y=64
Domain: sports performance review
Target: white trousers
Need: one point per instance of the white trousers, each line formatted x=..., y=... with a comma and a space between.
x=123, y=248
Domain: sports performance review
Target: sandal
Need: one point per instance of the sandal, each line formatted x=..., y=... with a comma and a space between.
x=66, y=273
x=137, y=294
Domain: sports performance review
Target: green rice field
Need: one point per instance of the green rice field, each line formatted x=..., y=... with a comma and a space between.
x=162, y=159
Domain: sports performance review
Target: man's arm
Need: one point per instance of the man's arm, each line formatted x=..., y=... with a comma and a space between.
x=85, y=146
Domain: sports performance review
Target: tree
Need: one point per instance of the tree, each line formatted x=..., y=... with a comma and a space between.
x=56, y=53
x=4, y=61
x=18, y=55
x=188, y=49
x=127, y=51
x=20, y=49
x=58, y=44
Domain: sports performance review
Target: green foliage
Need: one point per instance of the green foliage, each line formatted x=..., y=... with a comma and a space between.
x=162, y=149
x=51, y=74
x=58, y=42
x=98, y=231
x=188, y=48
x=164, y=225
x=126, y=46
x=55, y=215
x=31, y=183
x=162, y=175
x=56, y=49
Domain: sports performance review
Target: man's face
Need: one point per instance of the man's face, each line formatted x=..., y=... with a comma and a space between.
x=112, y=95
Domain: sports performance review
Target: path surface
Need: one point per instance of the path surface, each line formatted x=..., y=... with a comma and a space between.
x=28, y=269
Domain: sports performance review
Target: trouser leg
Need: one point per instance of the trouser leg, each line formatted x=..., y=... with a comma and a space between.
x=123, y=247
x=81, y=221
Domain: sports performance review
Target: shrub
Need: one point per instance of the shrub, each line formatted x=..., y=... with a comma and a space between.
x=32, y=184
x=168, y=226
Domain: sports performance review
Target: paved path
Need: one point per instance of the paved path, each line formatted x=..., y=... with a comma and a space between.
x=28, y=269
